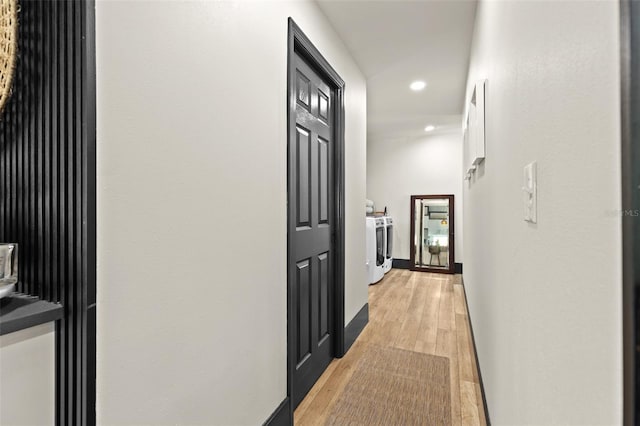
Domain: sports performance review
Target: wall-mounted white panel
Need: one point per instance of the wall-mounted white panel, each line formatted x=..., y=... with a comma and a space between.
x=474, y=129
x=479, y=122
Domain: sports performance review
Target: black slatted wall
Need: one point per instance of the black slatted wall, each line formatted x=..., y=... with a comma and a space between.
x=47, y=181
x=630, y=22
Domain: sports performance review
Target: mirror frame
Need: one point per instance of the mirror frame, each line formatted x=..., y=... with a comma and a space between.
x=452, y=251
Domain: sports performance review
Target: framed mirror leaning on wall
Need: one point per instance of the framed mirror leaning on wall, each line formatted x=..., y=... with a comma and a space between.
x=432, y=233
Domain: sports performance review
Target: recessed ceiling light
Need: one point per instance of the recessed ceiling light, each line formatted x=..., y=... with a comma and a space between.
x=417, y=85
x=429, y=128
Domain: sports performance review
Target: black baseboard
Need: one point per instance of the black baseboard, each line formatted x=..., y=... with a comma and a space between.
x=355, y=327
x=401, y=264
x=406, y=264
x=475, y=351
x=282, y=416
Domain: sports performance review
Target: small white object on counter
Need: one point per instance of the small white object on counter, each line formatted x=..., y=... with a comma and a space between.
x=530, y=192
x=8, y=268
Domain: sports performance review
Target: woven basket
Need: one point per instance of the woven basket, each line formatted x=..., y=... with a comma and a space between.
x=8, y=47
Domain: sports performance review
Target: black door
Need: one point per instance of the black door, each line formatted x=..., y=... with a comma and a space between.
x=310, y=228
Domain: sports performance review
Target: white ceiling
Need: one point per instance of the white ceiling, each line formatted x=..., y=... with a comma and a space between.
x=397, y=42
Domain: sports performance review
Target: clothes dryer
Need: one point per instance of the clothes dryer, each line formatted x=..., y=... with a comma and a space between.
x=375, y=242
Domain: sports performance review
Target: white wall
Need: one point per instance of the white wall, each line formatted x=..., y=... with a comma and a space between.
x=27, y=376
x=398, y=169
x=192, y=146
x=545, y=298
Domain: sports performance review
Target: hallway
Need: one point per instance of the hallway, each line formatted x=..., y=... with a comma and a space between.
x=415, y=311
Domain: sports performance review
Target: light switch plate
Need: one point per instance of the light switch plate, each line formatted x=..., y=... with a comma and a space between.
x=530, y=192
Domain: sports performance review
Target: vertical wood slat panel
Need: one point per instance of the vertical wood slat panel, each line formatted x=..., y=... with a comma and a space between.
x=47, y=184
x=77, y=220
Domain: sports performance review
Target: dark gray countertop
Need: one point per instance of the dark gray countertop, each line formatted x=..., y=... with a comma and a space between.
x=20, y=311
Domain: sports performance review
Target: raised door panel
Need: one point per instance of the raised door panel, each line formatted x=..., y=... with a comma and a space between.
x=323, y=299
x=303, y=171
x=303, y=307
x=323, y=184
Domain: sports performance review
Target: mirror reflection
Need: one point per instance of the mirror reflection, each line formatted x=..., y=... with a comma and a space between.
x=431, y=233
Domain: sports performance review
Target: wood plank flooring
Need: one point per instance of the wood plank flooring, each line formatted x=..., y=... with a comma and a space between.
x=417, y=311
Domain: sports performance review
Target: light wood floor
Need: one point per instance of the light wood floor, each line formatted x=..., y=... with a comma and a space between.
x=416, y=311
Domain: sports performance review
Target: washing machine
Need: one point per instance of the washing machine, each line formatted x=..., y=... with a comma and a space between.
x=375, y=249
x=388, y=238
